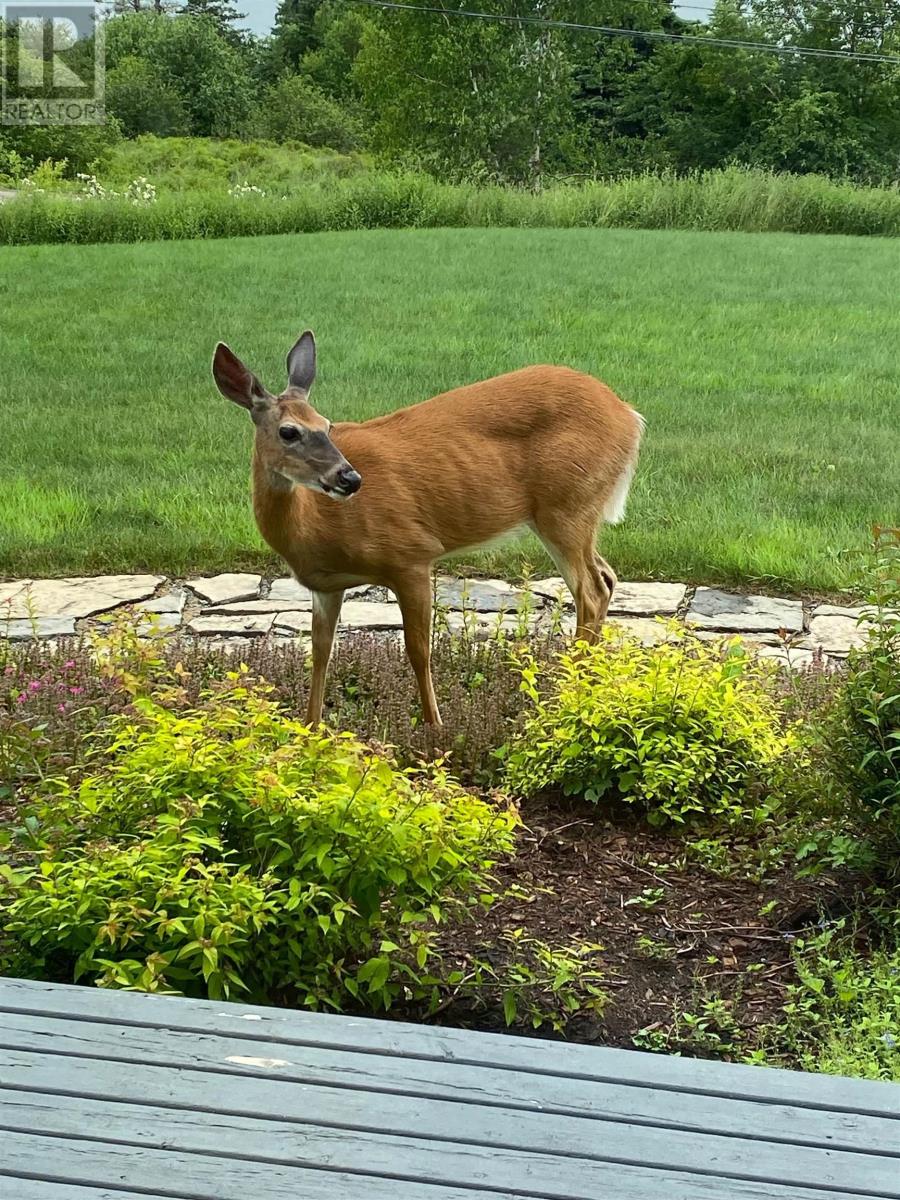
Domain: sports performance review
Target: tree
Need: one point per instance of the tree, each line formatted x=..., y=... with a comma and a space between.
x=294, y=109
x=294, y=33
x=188, y=55
x=140, y=98
x=470, y=97
x=223, y=15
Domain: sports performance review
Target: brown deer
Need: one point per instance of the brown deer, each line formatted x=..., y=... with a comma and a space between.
x=544, y=447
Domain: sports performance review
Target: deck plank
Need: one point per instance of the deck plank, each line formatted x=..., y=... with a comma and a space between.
x=577, y=1170
x=451, y=1081
x=78, y=1161
x=203, y=1176
x=42, y=1189
x=428, y=1043
x=116, y=1096
x=254, y=1096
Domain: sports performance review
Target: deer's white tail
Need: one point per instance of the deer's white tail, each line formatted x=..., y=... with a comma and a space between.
x=614, y=510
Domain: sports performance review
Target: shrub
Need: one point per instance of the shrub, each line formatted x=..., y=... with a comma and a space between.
x=861, y=735
x=295, y=110
x=78, y=147
x=226, y=848
x=143, y=101
x=677, y=729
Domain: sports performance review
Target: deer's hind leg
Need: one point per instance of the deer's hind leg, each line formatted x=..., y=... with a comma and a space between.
x=571, y=543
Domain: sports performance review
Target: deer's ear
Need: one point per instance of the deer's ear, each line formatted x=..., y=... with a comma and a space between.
x=235, y=381
x=301, y=362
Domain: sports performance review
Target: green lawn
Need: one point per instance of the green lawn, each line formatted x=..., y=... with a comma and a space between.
x=765, y=364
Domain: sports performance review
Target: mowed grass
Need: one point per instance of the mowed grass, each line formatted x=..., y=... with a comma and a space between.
x=765, y=364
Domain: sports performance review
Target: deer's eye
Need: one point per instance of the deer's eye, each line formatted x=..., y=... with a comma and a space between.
x=289, y=433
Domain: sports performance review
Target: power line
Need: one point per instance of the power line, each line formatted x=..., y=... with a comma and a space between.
x=652, y=34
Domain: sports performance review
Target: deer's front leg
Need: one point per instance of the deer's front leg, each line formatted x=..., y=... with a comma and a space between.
x=413, y=592
x=326, y=608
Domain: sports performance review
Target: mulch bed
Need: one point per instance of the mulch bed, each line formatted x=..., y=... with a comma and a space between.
x=579, y=874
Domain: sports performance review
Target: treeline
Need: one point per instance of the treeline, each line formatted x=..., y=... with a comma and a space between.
x=487, y=101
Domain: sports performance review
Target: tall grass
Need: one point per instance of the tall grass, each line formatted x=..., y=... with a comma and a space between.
x=732, y=199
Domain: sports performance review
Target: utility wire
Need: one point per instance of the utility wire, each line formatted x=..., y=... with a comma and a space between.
x=652, y=34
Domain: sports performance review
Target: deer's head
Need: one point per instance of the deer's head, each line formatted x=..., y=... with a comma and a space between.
x=292, y=439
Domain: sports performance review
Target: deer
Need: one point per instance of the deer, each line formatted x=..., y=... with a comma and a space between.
x=379, y=502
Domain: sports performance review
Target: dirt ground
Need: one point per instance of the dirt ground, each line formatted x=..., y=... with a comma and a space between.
x=673, y=932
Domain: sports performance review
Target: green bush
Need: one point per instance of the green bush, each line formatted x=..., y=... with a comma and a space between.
x=143, y=101
x=78, y=148
x=194, y=164
x=228, y=849
x=295, y=110
x=861, y=737
x=677, y=729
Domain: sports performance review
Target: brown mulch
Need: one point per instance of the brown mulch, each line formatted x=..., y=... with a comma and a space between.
x=577, y=875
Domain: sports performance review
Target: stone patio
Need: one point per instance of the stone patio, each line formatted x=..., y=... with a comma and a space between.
x=230, y=608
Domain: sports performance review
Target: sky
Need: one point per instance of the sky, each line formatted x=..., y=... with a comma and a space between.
x=261, y=13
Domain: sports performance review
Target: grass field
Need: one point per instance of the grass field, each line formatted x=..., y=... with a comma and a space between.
x=765, y=364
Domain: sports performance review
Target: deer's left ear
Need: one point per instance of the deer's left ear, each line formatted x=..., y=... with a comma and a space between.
x=235, y=381
x=301, y=362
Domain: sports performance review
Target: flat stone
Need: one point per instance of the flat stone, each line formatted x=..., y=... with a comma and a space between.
x=644, y=629
x=371, y=614
x=754, y=637
x=793, y=659
x=836, y=633
x=355, y=614
x=37, y=628
x=290, y=589
x=78, y=596
x=648, y=599
x=552, y=589
x=712, y=609
x=220, y=589
x=232, y=623
x=483, y=595
x=171, y=602
x=262, y=606
x=837, y=610
x=293, y=622
x=300, y=597
x=151, y=622
x=481, y=625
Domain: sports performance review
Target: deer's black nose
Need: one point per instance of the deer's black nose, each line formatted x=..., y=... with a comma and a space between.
x=348, y=481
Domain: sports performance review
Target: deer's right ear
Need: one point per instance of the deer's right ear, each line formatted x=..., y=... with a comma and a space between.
x=301, y=362
x=235, y=381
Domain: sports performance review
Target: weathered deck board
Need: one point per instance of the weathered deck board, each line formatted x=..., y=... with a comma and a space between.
x=438, y=1044
x=42, y=1189
x=543, y=1129
x=118, y=1095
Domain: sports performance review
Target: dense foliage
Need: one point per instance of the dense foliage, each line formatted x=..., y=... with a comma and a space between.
x=504, y=101
x=227, y=849
x=857, y=733
x=338, y=196
x=677, y=729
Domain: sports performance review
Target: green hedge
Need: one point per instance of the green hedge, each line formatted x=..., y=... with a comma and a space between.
x=737, y=199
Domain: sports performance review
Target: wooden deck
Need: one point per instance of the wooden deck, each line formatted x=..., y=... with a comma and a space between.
x=111, y=1096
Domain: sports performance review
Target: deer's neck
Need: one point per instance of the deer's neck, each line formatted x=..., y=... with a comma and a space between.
x=284, y=513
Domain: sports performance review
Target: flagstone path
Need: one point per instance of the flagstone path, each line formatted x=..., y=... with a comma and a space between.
x=227, y=609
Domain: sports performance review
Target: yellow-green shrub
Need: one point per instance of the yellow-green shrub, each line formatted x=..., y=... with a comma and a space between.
x=678, y=729
x=228, y=848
